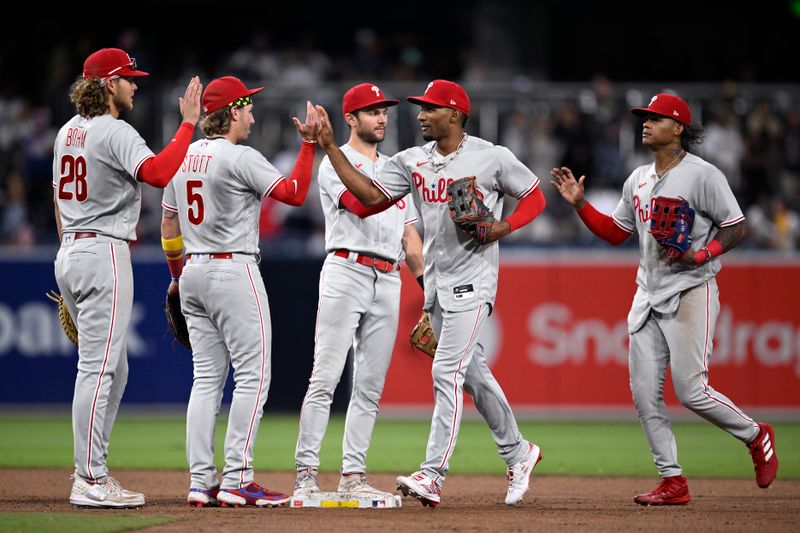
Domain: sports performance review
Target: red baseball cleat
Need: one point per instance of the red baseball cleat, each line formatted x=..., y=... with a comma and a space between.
x=672, y=490
x=252, y=494
x=765, y=458
x=203, y=497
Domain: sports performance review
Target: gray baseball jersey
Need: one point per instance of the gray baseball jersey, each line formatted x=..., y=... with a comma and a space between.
x=217, y=194
x=458, y=271
x=675, y=309
x=94, y=168
x=359, y=307
x=95, y=161
x=708, y=193
x=460, y=286
x=222, y=185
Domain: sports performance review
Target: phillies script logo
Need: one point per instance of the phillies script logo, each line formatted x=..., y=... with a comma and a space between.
x=643, y=214
x=436, y=192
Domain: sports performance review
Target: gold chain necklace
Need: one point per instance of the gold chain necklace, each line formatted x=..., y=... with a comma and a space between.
x=671, y=163
x=449, y=159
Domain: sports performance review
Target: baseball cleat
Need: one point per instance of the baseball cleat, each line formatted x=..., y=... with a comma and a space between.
x=105, y=495
x=251, y=494
x=765, y=457
x=420, y=486
x=519, y=475
x=203, y=497
x=357, y=483
x=672, y=490
x=306, y=482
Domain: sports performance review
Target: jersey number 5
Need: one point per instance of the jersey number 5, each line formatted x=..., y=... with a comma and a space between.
x=193, y=196
x=73, y=169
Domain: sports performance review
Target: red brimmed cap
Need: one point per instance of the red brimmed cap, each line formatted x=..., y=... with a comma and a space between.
x=223, y=91
x=108, y=62
x=443, y=93
x=364, y=95
x=666, y=105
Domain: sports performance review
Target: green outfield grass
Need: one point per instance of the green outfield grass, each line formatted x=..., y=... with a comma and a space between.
x=569, y=448
x=77, y=523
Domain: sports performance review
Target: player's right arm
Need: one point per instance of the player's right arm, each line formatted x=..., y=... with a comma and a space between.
x=598, y=223
x=57, y=213
x=171, y=238
x=361, y=186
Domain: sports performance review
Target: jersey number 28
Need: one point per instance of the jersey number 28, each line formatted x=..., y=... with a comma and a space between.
x=73, y=169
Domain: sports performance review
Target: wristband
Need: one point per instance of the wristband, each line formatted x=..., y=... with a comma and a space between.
x=172, y=245
x=708, y=252
x=309, y=140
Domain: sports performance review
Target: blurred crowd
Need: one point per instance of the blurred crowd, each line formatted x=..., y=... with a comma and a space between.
x=753, y=136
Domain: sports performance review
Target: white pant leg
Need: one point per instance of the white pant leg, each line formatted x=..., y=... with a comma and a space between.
x=372, y=353
x=96, y=277
x=345, y=292
x=210, y=366
x=689, y=334
x=491, y=402
x=648, y=360
x=458, y=336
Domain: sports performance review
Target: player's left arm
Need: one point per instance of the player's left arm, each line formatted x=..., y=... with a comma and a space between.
x=412, y=246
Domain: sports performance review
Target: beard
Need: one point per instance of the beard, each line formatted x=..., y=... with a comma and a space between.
x=122, y=104
x=427, y=137
x=371, y=137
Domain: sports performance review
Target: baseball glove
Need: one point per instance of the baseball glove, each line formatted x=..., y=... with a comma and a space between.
x=63, y=317
x=175, y=319
x=422, y=336
x=468, y=210
x=671, y=222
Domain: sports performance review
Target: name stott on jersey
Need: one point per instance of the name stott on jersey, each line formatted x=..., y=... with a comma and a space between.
x=380, y=234
x=708, y=193
x=95, y=160
x=465, y=272
x=220, y=213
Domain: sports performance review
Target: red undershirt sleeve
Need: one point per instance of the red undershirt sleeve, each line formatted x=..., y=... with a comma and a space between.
x=527, y=209
x=158, y=170
x=602, y=225
x=293, y=191
x=354, y=205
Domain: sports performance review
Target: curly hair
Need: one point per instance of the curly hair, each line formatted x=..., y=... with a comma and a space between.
x=89, y=97
x=693, y=134
x=217, y=123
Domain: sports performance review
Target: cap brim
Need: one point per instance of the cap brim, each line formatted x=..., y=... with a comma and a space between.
x=387, y=103
x=131, y=73
x=251, y=92
x=645, y=111
x=419, y=100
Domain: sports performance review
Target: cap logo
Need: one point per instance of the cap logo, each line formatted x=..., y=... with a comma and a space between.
x=377, y=91
x=653, y=99
x=452, y=102
x=429, y=86
x=676, y=113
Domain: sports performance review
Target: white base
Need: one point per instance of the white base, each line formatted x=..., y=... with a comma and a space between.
x=351, y=500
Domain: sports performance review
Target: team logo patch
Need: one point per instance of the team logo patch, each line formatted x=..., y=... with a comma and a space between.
x=463, y=292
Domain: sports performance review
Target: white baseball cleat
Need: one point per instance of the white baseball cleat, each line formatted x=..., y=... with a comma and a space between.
x=519, y=475
x=420, y=486
x=109, y=494
x=357, y=483
x=306, y=482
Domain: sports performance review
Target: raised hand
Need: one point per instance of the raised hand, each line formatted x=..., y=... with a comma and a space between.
x=308, y=129
x=325, y=135
x=570, y=188
x=189, y=103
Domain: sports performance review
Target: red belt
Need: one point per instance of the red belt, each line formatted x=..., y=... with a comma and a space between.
x=84, y=236
x=378, y=263
x=227, y=255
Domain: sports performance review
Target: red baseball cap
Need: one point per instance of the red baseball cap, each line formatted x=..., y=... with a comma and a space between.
x=444, y=93
x=223, y=91
x=108, y=62
x=666, y=105
x=364, y=95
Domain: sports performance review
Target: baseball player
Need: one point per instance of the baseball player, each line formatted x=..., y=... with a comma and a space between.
x=213, y=205
x=676, y=306
x=98, y=166
x=460, y=274
x=359, y=297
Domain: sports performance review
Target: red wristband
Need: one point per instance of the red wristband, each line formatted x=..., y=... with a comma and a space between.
x=708, y=252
